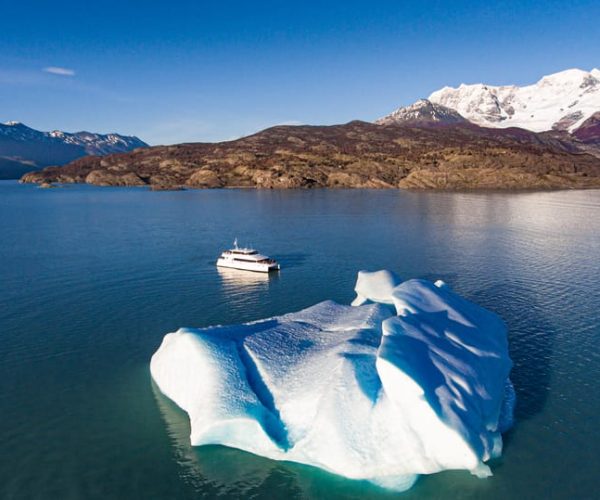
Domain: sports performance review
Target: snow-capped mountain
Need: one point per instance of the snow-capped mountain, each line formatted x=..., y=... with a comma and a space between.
x=561, y=101
x=94, y=144
x=423, y=112
x=23, y=149
x=99, y=144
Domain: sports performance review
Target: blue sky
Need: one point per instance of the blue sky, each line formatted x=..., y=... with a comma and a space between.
x=203, y=71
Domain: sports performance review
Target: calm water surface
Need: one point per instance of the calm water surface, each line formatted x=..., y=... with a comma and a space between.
x=92, y=278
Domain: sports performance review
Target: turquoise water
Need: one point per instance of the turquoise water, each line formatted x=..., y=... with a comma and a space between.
x=92, y=278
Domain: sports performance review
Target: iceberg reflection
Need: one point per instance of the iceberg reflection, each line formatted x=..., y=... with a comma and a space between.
x=235, y=473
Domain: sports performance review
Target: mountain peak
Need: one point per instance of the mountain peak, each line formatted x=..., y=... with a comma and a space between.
x=422, y=112
x=565, y=75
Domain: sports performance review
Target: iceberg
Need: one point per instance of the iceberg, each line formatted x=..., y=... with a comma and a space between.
x=411, y=379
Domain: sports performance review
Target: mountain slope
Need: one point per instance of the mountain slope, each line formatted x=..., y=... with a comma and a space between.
x=14, y=169
x=589, y=131
x=357, y=154
x=24, y=149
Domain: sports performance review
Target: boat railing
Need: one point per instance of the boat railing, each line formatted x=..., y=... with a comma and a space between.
x=263, y=261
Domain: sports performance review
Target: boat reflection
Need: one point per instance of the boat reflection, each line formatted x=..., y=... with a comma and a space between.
x=245, y=291
x=237, y=277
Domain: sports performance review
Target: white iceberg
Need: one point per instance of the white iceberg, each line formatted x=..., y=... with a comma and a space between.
x=411, y=380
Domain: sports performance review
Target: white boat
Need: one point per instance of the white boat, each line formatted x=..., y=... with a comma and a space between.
x=246, y=259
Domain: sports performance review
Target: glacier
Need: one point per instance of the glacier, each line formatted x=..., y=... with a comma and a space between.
x=411, y=379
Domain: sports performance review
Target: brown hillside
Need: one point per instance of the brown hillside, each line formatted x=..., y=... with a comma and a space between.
x=354, y=155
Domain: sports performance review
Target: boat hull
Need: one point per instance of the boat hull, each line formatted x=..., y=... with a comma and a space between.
x=248, y=266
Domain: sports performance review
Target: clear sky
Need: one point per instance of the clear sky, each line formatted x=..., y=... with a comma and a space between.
x=202, y=71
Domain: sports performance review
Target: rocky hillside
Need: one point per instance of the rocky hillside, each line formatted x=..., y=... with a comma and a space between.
x=23, y=149
x=354, y=155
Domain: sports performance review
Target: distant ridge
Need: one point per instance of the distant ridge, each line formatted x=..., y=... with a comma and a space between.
x=23, y=149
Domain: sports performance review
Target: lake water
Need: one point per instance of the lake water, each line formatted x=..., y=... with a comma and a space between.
x=92, y=278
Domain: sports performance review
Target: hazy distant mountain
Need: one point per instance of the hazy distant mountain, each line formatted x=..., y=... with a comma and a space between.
x=23, y=149
x=423, y=112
